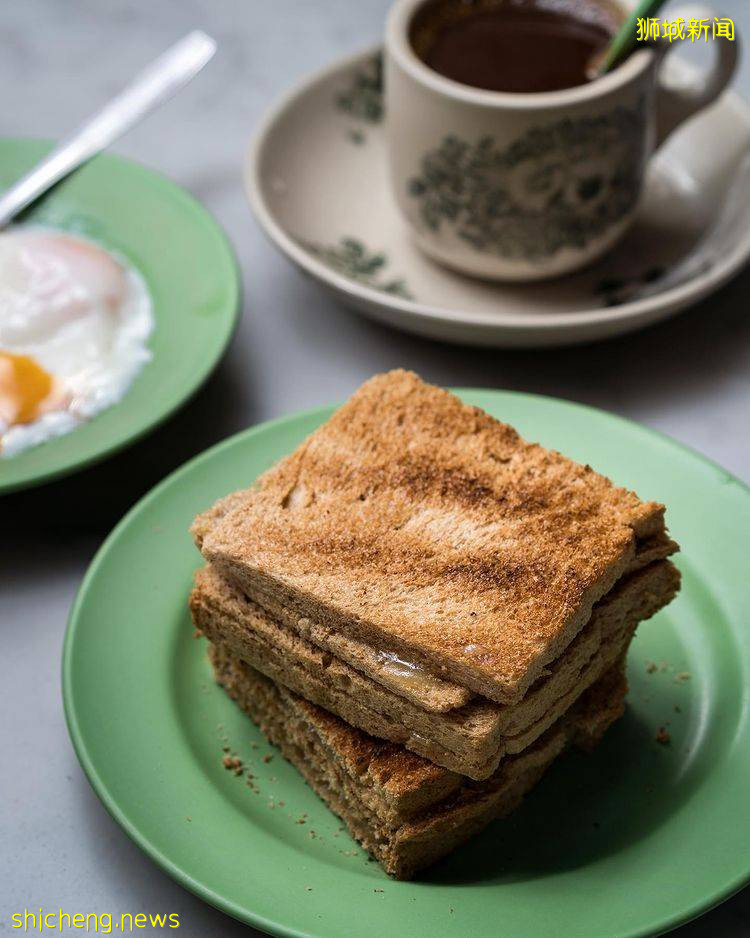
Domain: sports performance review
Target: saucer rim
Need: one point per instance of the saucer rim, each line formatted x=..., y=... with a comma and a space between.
x=652, y=308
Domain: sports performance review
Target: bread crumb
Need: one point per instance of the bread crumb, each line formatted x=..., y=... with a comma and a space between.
x=651, y=666
x=267, y=758
x=682, y=677
x=663, y=736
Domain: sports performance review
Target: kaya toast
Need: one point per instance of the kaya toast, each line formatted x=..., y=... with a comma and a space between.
x=404, y=810
x=421, y=525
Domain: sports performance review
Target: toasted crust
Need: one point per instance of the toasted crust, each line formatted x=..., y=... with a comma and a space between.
x=404, y=810
x=405, y=679
x=423, y=525
x=429, y=692
x=471, y=740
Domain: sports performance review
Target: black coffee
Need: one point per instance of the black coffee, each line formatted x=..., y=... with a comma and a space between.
x=514, y=45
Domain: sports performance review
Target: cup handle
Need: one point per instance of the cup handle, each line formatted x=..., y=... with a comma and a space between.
x=674, y=105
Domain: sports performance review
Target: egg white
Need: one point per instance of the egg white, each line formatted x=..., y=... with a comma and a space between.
x=81, y=313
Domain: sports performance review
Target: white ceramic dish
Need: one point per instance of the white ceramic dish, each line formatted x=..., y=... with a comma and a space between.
x=317, y=181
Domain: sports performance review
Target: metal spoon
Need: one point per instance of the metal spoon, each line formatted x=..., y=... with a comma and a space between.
x=155, y=84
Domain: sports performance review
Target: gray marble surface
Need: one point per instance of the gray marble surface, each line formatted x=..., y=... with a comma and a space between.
x=295, y=348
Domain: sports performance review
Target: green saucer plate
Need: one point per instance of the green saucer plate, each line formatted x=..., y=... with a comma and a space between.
x=191, y=274
x=632, y=839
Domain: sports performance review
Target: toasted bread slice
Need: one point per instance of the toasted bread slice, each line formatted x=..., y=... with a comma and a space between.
x=423, y=526
x=406, y=811
x=470, y=740
x=417, y=684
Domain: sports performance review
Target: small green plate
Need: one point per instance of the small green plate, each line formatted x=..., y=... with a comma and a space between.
x=630, y=840
x=191, y=274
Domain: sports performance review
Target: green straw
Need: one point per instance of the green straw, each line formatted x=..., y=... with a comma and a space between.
x=625, y=41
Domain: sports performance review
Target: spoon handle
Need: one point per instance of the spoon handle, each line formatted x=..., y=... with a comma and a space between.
x=155, y=84
x=625, y=40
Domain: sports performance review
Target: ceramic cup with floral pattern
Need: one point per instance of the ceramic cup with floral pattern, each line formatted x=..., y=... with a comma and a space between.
x=524, y=186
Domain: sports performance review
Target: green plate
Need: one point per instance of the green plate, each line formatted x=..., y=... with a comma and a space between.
x=189, y=269
x=630, y=840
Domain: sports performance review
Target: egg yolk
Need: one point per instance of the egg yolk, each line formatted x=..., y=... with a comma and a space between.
x=26, y=390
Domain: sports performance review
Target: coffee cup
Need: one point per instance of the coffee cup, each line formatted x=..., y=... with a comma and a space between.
x=527, y=186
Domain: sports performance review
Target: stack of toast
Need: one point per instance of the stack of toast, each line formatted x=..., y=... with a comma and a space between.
x=423, y=610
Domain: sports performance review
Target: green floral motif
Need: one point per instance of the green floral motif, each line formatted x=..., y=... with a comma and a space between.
x=351, y=259
x=557, y=186
x=363, y=99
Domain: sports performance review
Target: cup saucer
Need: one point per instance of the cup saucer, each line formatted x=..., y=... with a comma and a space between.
x=318, y=183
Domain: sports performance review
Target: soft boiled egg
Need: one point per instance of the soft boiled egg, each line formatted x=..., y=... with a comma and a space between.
x=74, y=323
